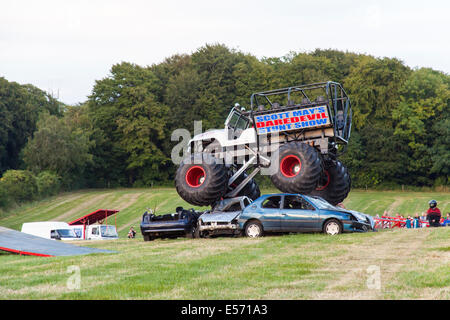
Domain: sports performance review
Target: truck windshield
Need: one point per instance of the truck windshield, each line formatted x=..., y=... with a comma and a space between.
x=108, y=231
x=236, y=120
x=66, y=233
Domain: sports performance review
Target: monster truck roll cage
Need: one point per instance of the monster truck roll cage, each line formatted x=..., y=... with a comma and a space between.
x=338, y=106
x=336, y=99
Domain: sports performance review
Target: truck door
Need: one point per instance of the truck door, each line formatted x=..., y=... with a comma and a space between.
x=298, y=214
x=94, y=232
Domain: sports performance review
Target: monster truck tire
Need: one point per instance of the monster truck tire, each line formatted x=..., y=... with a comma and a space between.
x=335, y=183
x=250, y=190
x=201, y=180
x=300, y=168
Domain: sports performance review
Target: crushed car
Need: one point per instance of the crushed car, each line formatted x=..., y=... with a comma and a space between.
x=286, y=213
x=173, y=225
x=223, y=218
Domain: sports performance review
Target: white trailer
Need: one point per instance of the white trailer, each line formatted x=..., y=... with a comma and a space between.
x=55, y=230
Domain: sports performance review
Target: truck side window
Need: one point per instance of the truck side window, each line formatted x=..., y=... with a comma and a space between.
x=95, y=231
x=53, y=234
x=272, y=202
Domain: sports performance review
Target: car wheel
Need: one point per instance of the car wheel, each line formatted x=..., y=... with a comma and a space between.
x=197, y=233
x=332, y=227
x=147, y=237
x=190, y=234
x=254, y=229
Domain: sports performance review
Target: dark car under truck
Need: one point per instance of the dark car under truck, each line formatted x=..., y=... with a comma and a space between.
x=173, y=225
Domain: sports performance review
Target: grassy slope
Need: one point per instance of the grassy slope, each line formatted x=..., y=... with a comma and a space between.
x=294, y=266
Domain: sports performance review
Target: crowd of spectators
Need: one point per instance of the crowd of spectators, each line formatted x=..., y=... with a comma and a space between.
x=432, y=217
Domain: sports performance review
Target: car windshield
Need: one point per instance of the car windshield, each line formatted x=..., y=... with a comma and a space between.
x=108, y=231
x=66, y=233
x=232, y=205
x=321, y=203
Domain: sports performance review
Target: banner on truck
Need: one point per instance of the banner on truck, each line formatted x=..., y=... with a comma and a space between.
x=292, y=120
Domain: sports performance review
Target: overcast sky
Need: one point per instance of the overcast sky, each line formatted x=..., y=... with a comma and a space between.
x=64, y=46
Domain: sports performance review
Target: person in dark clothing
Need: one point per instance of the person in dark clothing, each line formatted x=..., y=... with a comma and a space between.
x=433, y=214
x=131, y=233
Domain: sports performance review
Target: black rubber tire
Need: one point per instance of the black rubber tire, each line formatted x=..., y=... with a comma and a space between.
x=197, y=233
x=349, y=183
x=250, y=224
x=307, y=178
x=250, y=190
x=211, y=189
x=190, y=234
x=329, y=222
x=147, y=237
x=336, y=183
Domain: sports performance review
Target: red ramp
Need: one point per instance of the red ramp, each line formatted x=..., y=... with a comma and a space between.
x=27, y=244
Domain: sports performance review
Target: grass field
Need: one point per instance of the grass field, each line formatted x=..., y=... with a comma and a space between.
x=411, y=263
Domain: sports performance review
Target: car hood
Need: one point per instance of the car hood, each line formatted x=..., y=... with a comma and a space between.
x=360, y=216
x=220, y=216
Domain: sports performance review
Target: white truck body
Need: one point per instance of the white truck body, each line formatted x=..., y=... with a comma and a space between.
x=54, y=230
x=314, y=124
x=248, y=136
x=95, y=232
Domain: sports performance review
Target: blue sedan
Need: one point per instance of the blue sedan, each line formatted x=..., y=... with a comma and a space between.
x=300, y=213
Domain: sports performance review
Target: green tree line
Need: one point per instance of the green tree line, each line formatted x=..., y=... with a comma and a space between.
x=121, y=135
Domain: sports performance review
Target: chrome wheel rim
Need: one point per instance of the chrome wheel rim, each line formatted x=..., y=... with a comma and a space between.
x=332, y=228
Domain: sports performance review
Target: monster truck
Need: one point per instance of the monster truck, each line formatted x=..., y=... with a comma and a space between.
x=297, y=143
